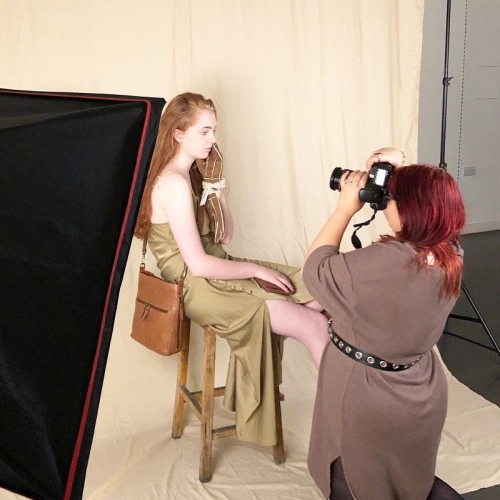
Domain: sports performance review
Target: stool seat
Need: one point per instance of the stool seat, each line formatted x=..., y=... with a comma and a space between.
x=202, y=403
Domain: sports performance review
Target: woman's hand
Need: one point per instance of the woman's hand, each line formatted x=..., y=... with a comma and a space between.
x=274, y=277
x=347, y=205
x=391, y=155
x=350, y=185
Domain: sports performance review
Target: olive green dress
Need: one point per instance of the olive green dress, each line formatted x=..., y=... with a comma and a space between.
x=237, y=311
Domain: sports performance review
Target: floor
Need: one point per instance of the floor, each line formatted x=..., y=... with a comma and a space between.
x=474, y=366
x=131, y=476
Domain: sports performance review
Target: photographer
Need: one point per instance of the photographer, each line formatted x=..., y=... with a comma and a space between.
x=382, y=394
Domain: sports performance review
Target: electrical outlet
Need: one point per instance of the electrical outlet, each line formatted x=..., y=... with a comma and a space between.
x=468, y=171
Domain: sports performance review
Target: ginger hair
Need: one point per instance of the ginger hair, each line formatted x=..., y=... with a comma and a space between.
x=180, y=114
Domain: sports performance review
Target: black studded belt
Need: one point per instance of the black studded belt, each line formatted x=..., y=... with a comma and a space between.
x=365, y=357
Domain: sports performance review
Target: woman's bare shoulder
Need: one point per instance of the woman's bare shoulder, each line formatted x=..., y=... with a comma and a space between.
x=172, y=191
x=171, y=178
x=171, y=184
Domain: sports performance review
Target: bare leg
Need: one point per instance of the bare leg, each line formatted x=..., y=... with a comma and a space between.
x=301, y=323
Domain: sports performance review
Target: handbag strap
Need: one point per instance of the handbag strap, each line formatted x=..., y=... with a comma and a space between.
x=144, y=250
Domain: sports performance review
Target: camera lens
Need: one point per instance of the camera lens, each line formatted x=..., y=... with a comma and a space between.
x=335, y=178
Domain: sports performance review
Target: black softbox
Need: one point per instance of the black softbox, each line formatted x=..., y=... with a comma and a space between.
x=72, y=170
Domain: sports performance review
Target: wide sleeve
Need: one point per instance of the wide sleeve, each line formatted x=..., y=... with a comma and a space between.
x=326, y=276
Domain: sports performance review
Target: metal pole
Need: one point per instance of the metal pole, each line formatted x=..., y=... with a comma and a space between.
x=442, y=164
x=446, y=84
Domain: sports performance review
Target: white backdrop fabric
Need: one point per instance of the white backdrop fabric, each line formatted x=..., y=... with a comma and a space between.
x=301, y=86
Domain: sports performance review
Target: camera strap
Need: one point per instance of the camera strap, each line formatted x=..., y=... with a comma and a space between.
x=354, y=239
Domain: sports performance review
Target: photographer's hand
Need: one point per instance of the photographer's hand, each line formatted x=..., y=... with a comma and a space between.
x=350, y=184
x=391, y=155
x=347, y=205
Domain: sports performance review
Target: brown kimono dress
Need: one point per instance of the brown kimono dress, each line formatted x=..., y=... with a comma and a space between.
x=384, y=426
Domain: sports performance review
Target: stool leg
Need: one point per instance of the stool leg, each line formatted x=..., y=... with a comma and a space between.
x=178, y=422
x=207, y=405
x=279, y=447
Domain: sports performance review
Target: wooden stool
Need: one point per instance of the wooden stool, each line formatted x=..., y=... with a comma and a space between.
x=202, y=404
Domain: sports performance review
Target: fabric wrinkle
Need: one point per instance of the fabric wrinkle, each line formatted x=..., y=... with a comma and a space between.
x=374, y=420
x=237, y=311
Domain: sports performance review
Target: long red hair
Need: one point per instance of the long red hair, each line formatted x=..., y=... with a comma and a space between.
x=180, y=114
x=432, y=214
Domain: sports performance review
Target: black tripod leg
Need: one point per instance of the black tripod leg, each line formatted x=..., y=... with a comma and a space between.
x=481, y=320
x=478, y=319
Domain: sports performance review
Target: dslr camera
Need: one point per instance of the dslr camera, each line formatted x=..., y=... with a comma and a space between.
x=375, y=192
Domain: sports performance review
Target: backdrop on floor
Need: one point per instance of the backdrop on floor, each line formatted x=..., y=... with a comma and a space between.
x=72, y=170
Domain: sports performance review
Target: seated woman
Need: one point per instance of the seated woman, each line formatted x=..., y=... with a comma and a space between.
x=218, y=289
x=382, y=393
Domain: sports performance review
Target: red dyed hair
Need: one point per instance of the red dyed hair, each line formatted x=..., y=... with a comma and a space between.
x=180, y=114
x=432, y=214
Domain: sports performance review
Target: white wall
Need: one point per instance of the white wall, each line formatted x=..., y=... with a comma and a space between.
x=473, y=118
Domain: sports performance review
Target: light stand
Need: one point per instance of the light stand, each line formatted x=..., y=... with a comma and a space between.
x=442, y=164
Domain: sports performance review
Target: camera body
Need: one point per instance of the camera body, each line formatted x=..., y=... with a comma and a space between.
x=375, y=191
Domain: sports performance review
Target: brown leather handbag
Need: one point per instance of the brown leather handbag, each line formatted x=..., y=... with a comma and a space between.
x=159, y=322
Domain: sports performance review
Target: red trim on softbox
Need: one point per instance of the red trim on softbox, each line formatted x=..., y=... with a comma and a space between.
x=81, y=431
x=76, y=453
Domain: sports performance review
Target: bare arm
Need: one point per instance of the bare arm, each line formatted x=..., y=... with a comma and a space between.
x=228, y=220
x=174, y=197
x=348, y=204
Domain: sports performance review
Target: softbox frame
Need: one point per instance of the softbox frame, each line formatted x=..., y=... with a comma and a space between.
x=72, y=171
